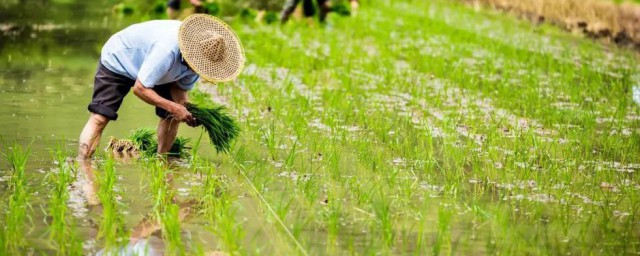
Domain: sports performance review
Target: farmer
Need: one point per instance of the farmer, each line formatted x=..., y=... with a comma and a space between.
x=173, y=8
x=308, y=10
x=161, y=60
x=355, y=4
x=307, y=7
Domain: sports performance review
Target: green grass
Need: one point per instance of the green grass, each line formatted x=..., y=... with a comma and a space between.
x=417, y=127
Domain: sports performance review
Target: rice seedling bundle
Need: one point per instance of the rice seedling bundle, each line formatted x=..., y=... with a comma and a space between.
x=143, y=141
x=222, y=129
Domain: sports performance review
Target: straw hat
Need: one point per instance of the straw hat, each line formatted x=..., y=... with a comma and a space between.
x=211, y=48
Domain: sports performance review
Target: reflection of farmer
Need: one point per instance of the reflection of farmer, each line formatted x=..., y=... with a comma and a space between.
x=173, y=7
x=161, y=60
x=142, y=241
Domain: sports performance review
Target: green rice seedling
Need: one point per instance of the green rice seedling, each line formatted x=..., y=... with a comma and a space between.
x=421, y=235
x=14, y=219
x=161, y=191
x=62, y=230
x=179, y=148
x=112, y=226
x=170, y=219
x=221, y=128
x=218, y=208
x=443, y=239
x=145, y=141
x=382, y=210
x=269, y=138
x=166, y=210
x=291, y=156
x=333, y=214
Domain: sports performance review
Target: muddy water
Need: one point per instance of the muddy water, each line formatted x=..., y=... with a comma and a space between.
x=49, y=52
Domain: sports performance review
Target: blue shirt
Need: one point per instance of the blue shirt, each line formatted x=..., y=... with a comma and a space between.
x=149, y=52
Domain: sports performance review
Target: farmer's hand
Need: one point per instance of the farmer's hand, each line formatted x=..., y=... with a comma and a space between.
x=196, y=2
x=181, y=114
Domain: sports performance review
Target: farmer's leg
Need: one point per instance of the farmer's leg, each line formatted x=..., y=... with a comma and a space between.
x=109, y=90
x=288, y=9
x=89, y=139
x=167, y=130
x=88, y=181
x=324, y=7
x=308, y=9
x=168, y=127
x=90, y=135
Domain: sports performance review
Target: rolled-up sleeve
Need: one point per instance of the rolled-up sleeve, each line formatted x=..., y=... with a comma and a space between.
x=155, y=66
x=188, y=82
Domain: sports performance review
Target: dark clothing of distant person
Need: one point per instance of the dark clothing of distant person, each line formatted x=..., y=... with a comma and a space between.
x=174, y=6
x=307, y=7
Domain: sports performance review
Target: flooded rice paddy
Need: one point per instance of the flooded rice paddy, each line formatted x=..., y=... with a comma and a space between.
x=414, y=128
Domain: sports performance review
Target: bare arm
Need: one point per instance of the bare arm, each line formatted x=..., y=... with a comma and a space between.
x=151, y=97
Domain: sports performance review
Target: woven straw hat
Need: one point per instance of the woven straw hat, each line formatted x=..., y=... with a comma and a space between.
x=211, y=48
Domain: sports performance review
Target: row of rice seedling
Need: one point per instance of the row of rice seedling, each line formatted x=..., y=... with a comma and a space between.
x=217, y=207
x=490, y=175
x=62, y=229
x=16, y=215
x=112, y=230
x=165, y=211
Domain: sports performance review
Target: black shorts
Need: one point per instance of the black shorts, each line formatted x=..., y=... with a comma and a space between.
x=109, y=90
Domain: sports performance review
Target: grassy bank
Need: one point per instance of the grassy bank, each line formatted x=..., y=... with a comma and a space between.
x=614, y=21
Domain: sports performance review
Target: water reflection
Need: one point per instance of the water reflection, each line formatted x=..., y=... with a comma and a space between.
x=145, y=237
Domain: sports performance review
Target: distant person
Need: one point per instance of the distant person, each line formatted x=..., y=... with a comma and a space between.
x=173, y=8
x=309, y=10
x=307, y=7
x=355, y=4
x=160, y=60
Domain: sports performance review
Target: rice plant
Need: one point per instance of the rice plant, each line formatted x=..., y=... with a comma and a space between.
x=220, y=127
x=15, y=218
x=145, y=141
x=62, y=229
x=112, y=226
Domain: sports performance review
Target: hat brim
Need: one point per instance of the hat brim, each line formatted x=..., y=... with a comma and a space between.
x=226, y=69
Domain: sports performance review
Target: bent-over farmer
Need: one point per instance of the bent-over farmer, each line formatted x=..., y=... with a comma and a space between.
x=161, y=60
